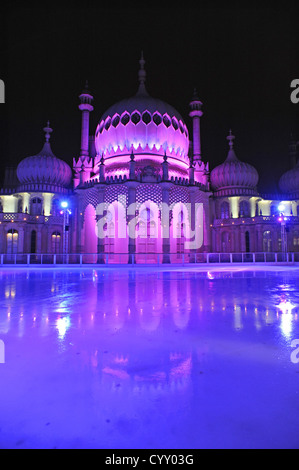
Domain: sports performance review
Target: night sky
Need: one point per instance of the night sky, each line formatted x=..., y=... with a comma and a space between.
x=240, y=59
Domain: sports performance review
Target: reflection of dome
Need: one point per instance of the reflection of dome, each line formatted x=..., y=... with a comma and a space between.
x=234, y=176
x=289, y=182
x=44, y=168
x=143, y=124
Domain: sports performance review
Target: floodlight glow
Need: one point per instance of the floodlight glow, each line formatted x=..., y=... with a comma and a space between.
x=281, y=207
x=64, y=204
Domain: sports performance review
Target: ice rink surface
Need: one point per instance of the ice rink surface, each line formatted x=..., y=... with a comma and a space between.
x=149, y=358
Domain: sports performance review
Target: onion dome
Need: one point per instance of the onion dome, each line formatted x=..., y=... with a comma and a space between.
x=44, y=171
x=234, y=177
x=289, y=182
x=145, y=125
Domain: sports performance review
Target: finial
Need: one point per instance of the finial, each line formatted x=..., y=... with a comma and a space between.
x=230, y=139
x=47, y=131
x=132, y=156
x=231, y=153
x=195, y=95
x=142, y=76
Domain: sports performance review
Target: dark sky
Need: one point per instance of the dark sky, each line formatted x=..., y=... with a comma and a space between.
x=241, y=60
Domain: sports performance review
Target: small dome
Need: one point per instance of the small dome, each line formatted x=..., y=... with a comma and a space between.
x=234, y=176
x=289, y=182
x=44, y=168
x=144, y=123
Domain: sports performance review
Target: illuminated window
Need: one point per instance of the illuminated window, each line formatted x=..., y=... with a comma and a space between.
x=56, y=242
x=12, y=241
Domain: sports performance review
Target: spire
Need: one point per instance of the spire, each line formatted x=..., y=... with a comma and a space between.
x=86, y=87
x=48, y=131
x=195, y=96
x=46, y=150
x=231, y=153
x=142, y=77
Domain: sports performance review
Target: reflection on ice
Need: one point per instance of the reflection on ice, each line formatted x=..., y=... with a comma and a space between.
x=124, y=358
x=62, y=325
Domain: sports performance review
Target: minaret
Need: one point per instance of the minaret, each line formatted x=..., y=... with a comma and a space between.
x=195, y=114
x=86, y=107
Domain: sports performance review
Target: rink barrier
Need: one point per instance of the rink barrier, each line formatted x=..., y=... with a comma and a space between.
x=80, y=259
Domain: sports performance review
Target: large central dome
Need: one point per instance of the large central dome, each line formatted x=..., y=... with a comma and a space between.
x=147, y=126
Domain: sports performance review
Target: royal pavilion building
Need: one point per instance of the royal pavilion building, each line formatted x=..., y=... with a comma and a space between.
x=139, y=191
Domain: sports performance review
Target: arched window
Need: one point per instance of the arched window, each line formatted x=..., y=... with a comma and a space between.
x=56, y=242
x=244, y=209
x=36, y=206
x=224, y=210
x=12, y=241
x=267, y=241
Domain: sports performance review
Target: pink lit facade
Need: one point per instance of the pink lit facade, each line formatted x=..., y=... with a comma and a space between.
x=141, y=155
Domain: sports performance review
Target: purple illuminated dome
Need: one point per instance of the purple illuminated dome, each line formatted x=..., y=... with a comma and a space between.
x=289, y=182
x=44, y=168
x=147, y=126
x=233, y=176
